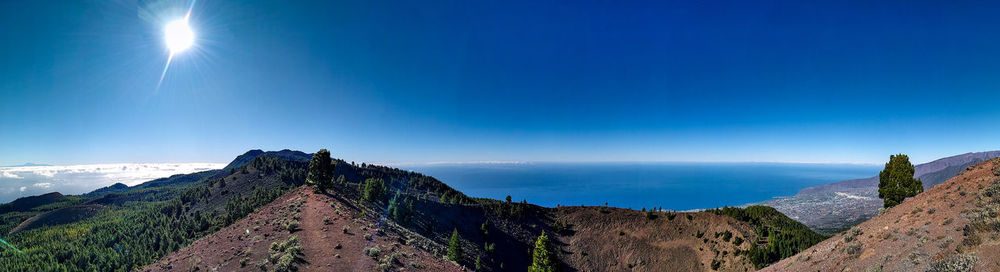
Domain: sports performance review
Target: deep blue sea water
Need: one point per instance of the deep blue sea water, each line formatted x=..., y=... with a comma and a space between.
x=676, y=186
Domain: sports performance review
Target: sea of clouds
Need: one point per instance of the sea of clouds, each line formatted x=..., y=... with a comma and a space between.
x=23, y=181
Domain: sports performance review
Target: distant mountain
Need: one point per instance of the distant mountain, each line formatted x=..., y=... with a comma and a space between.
x=258, y=215
x=28, y=164
x=285, y=154
x=339, y=232
x=30, y=202
x=834, y=207
x=952, y=226
x=58, y=217
x=114, y=188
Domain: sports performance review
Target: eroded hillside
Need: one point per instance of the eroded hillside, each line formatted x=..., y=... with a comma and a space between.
x=952, y=225
x=834, y=207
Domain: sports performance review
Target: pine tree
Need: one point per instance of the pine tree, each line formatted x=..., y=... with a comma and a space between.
x=542, y=258
x=373, y=190
x=455, y=247
x=896, y=181
x=320, y=170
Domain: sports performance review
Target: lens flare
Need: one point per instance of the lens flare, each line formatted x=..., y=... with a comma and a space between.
x=178, y=36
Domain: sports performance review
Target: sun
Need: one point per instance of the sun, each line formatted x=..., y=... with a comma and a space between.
x=178, y=35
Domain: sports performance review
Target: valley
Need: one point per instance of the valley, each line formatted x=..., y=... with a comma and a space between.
x=258, y=213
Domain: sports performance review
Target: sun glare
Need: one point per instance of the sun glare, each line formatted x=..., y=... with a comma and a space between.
x=178, y=36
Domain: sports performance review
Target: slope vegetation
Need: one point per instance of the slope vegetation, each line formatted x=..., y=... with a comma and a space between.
x=389, y=219
x=122, y=229
x=330, y=234
x=255, y=214
x=837, y=206
x=953, y=226
x=58, y=217
x=611, y=239
x=30, y=202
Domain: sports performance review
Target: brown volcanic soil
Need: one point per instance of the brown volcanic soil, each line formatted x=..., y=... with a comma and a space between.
x=612, y=239
x=223, y=250
x=596, y=239
x=925, y=229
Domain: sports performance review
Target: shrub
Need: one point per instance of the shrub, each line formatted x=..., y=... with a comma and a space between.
x=387, y=261
x=287, y=254
x=716, y=264
x=955, y=263
x=262, y=265
x=292, y=226
x=373, y=252
x=671, y=215
x=851, y=234
x=284, y=263
x=874, y=268
x=557, y=226
x=853, y=249
x=650, y=215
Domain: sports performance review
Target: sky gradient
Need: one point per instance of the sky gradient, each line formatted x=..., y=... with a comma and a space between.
x=430, y=81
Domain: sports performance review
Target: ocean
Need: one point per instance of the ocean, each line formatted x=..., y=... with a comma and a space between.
x=675, y=186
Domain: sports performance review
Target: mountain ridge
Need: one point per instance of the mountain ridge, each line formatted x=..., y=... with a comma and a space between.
x=836, y=206
x=494, y=233
x=952, y=225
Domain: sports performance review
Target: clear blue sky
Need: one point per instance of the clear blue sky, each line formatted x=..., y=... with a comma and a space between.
x=423, y=81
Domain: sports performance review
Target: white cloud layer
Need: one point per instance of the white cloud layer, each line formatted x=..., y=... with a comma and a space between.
x=78, y=179
x=5, y=174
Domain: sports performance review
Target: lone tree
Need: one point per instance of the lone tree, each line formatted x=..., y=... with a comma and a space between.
x=455, y=246
x=320, y=170
x=542, y=258
x=896, y=181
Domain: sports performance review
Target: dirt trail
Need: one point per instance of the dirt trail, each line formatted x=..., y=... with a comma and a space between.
x=320, y=239
x=313, y=235
x=322, y=221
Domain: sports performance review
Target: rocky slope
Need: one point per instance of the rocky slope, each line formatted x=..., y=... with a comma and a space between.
x=338, y=234
x=950, y=226
x=834, y=207
x=611, y=239
x=245, y=218
x=332, y=235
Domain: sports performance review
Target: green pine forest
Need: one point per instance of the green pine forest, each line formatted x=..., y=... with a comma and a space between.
x=139, y=225
x=136, y=226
